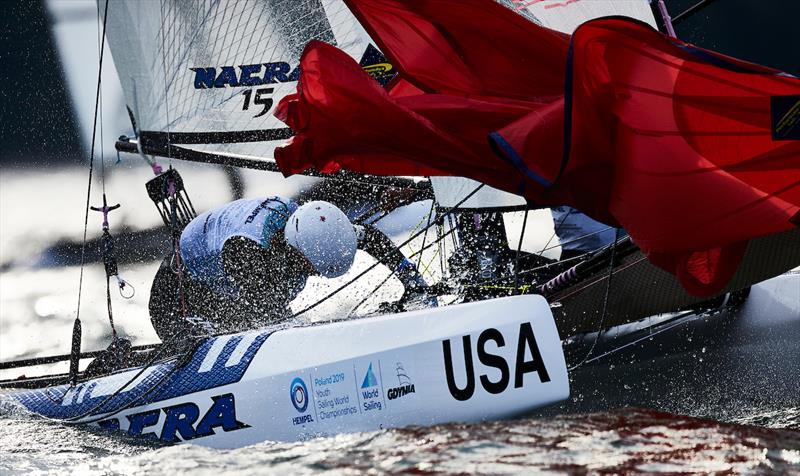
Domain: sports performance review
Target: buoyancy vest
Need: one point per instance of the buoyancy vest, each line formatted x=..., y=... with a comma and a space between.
x=204, y=237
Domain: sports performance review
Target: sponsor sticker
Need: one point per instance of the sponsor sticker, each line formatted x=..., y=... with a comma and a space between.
x=333, y=396
x=785, y=112
x=404, y=384
x=298, y=392
x=370, y=392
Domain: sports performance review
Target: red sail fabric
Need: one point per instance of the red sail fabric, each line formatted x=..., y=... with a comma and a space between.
x=672, y=142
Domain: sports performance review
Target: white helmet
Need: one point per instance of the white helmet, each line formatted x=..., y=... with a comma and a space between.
x=324, y=235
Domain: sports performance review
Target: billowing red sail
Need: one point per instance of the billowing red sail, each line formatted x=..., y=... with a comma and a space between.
x=692, y=152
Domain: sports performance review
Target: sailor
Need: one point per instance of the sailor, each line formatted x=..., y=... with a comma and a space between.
x=580, y=234
x=241, y=265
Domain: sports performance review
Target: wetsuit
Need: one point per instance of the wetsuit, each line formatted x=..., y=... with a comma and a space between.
x=237, y=271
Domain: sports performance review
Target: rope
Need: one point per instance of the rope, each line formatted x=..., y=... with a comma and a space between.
x=427, y=227
x=110, y=313
x=488, y=284
x=519, y=247
x=555, y=231
x=101, y=45
x=392, y=272
x=374, y=265
x=77, y=324
x=605, y=303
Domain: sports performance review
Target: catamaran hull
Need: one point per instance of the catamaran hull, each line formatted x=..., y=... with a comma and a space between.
x=478, y=361
x=735, y=362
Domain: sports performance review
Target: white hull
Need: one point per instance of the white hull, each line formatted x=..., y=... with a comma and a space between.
x=363, y=375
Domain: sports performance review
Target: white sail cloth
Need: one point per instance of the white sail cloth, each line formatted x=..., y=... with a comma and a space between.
x=210, y=72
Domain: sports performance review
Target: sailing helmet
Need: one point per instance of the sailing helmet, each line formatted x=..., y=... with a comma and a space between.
x=324, y=235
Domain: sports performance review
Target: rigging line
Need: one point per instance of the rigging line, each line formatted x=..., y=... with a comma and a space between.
x=425, y=236
x=374, y=265
x=100, y=98
x=690, y=11
x=375, y=210
x=369, y=295
x=442, y=247
x=519, y=247
x=443, y=236
x=73, y=368
x=439, y=239
x=166, y=89
x=579, y=238
x=555, y=231
x=605, y=302
x=173, y=201
x=50, y=359
x=110, y=312
x=433, y=258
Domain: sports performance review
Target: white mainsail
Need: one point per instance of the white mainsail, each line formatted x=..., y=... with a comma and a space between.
x=207, y=74
x=561, y=15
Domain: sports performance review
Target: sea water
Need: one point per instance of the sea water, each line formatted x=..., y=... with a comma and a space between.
x=701, y=431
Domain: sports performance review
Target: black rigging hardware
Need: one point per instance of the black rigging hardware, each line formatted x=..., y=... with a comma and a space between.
x=109, y=259
x=168, y=193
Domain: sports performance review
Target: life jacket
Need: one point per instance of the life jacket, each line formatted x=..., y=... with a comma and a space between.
x=204, y=237
x=578, y=232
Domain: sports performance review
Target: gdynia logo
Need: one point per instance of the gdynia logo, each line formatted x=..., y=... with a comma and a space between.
x=405, y=387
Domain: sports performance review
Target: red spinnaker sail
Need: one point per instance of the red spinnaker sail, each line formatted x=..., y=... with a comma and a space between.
x=692, y=152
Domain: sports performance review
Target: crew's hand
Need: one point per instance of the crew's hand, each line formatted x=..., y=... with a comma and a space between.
x=416, y=294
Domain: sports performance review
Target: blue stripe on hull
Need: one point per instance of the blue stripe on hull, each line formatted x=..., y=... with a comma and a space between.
x=161, y=382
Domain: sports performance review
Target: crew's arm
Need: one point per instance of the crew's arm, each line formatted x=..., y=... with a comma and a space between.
x=261, y=292
x=374, y=242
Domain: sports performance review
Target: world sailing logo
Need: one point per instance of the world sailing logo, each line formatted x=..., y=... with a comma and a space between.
x=370, y=395
x=369, y=378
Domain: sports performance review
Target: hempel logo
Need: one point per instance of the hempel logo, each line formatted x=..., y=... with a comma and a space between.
x=298, y=393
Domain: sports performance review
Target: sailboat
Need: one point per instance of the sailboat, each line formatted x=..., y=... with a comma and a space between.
x=202, y=80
